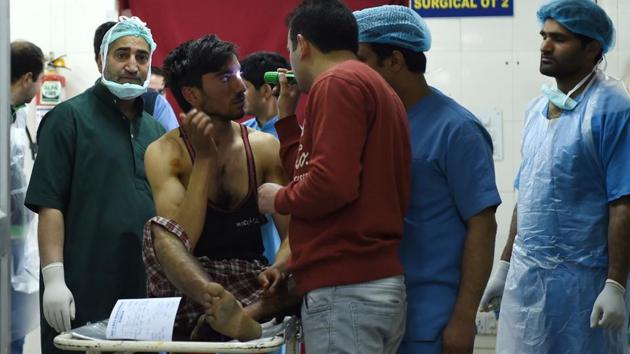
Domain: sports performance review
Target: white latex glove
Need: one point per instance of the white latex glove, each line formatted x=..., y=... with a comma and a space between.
x=58, y=300
x=609, y=310
x=494, y=289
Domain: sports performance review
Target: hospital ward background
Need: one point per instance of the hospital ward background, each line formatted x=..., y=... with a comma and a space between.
x=486, y=60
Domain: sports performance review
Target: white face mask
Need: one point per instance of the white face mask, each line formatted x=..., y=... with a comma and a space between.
x=562, y=100
x=126, y=91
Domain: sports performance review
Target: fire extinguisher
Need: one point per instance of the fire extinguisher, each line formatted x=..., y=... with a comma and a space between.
x=53, y=89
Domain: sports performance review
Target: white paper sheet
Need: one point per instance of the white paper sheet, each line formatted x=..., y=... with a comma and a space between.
x=143, y=319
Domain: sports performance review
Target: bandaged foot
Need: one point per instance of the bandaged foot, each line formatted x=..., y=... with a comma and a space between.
x=226, y=316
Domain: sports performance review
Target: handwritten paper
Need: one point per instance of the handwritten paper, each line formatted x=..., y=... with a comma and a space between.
x=143, y=319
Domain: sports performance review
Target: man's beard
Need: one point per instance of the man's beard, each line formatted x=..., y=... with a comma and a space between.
x=222, y=116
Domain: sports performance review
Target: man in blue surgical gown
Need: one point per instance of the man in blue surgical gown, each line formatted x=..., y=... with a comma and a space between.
x=569, y=259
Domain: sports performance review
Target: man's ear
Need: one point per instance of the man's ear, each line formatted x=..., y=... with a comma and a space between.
x=192, y=95
x=303, y=45
x=266, y=91
x=24, y=82
x=99, y=63
x=26, y=78
x=396, y=62
x=593, y=48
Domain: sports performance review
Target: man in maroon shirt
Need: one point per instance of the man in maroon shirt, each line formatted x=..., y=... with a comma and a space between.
x=350, y=170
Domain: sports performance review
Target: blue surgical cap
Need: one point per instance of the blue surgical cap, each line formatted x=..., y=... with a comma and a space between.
x=394, y=25
x=582, y=17
x=128, y=26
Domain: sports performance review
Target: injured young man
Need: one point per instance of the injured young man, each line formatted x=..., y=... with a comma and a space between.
x=205, y=244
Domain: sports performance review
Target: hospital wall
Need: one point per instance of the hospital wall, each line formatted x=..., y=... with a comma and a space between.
x=490, y=65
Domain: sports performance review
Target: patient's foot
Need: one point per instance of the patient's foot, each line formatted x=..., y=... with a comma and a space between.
x=226, y=316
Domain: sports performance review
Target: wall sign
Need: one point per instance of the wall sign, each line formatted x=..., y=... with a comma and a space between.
x=462, y=8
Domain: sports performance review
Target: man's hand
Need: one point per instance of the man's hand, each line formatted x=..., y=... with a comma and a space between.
x=267, y=197
x=459, y=337
x=288, y=96
x=270, y=278
x=609, y=310
x=58, y=302
x=494, y=289
x=198, y=127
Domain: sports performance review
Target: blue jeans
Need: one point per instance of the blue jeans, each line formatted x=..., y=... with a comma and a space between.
x=361, y=318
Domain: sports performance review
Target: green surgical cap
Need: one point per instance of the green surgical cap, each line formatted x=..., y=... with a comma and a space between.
x=582, y=17
x=128, y=26
x=395, y=25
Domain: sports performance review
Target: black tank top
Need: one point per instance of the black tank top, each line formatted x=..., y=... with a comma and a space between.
x=233, y=233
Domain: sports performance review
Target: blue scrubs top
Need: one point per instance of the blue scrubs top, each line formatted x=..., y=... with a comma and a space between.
x=452, y=180
x=269, y=127
x=271, y=239
x=164, y=114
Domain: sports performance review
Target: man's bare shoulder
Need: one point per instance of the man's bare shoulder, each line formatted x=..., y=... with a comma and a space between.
x=263, y=143
x=266, y=147
x=169, y=147
x=262, y=138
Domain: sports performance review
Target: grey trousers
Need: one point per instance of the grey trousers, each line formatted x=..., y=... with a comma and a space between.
x=361, y=318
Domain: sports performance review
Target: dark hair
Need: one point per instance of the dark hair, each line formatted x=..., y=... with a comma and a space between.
x=254, y=66
x=185, y=64
x=416, y=61
x=26, y=57
x=585, y=41
x=156, y=70
x=328, y=24
x=98, y=36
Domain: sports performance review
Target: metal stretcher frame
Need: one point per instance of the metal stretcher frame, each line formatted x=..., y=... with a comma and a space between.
x=289, y=336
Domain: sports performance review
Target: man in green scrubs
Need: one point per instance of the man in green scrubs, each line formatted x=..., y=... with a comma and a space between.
x=90, y=190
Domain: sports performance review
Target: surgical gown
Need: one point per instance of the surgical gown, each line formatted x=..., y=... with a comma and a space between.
x=572, y=168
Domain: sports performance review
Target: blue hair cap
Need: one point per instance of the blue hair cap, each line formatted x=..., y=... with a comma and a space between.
x=395, y=25
x=128, y=26
x=582, y=17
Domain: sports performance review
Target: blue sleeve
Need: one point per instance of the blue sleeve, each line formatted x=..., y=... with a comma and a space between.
x=470, y=170
x=164, y=113
x=611, y=134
